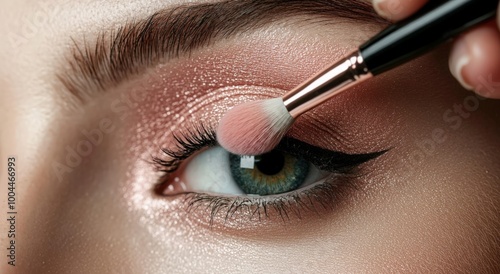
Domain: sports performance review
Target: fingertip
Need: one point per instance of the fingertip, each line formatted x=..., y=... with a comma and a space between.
x=475, y=60
x=396, y=10
x=459, y=59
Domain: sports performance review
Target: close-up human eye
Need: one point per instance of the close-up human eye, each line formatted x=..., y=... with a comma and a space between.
x=291, y=175
x=243, y=136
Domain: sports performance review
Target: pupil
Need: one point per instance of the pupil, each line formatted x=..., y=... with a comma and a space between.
x=271, y=163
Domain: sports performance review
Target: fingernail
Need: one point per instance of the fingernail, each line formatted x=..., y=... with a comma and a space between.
x=379, y=6
x=389, y=9
x=459, y=59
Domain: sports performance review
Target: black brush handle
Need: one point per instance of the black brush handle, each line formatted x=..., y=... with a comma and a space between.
x=437, y=22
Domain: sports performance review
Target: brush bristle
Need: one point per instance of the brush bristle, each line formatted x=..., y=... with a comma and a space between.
x=254, y=128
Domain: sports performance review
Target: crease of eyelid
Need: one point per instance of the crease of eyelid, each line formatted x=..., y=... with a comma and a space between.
x=170, y=33
x=320, y=127
x=210, y=99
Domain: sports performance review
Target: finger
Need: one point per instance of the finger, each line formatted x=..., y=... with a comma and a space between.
x=475, y=60
x=396, y=10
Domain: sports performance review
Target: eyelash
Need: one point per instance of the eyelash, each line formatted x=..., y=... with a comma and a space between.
x=186, y=145
x=319, y=196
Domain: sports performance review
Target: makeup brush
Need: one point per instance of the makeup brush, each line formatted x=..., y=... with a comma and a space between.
x=257, y=127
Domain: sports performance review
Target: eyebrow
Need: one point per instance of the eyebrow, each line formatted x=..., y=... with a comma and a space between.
x=115, y=56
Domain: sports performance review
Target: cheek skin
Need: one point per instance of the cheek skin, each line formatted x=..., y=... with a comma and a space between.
x=439, y=194
x=65, y=222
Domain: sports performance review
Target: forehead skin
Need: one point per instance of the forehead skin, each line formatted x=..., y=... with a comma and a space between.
x=440, y=216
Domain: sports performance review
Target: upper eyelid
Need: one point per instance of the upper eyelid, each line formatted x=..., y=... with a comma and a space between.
x=325, y=159
x=133, y=48
x=204, y=136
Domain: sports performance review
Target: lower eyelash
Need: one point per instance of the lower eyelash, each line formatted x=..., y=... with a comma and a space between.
x=318, y=198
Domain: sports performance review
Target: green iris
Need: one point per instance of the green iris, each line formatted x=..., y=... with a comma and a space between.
x=274, y=172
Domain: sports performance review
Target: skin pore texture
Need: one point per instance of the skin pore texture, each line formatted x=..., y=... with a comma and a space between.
x=430, y=204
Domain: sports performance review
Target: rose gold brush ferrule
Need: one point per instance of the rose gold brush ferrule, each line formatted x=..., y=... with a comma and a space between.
x=331, y=82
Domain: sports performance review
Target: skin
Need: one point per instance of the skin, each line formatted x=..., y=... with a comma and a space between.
x=475, y=54
x=428, y=205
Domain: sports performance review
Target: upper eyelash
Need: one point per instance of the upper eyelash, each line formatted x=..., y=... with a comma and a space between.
x=325, y=159
x=186, y=145
x=201, y=136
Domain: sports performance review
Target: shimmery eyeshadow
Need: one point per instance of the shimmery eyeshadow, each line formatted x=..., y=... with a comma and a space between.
x=203, y=87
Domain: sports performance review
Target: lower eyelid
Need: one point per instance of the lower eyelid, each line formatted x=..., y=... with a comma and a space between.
x=248, y=211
